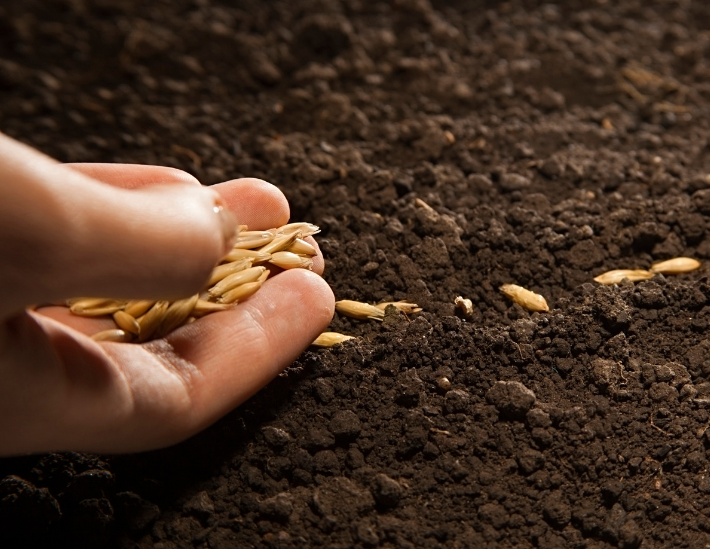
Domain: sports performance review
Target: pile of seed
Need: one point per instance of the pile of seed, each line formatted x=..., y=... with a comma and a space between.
x=239, y=275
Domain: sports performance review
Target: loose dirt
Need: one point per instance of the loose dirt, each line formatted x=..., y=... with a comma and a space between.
x=445, y=149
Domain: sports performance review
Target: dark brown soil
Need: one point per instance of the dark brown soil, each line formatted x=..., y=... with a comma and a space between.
x=552, y=142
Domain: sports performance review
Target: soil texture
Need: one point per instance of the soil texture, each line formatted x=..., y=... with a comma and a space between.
x=445, y=148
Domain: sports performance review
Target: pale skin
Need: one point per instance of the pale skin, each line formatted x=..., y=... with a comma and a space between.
x=130, y=231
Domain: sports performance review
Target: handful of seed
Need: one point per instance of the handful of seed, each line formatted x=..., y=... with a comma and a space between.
x=239, y=275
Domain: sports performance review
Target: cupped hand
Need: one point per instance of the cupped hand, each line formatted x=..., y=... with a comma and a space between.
x=129, y=231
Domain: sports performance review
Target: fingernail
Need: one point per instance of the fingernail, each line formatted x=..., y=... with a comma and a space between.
x=228, y=223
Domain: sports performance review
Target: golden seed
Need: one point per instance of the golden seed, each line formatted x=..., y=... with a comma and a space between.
x=176, y=315
x=306, y=229
x=289, y=260
x=617, y=275
x=255, y=255
x=677, y=265
x=138, y=307
x=253, y=239
x=126, y=322
x=465, y=306
x=443, y=383
x=407, y=307
x=223, y=271
x=450, y=137
x=361, y=311
x=150, y=321
x=301, y=247
x=114, y=335
x=280, y=243
x=204, y=307
x=525, y=298
x=81, y=303
x=108, y=309
x=328, y=339
x=236, y=279
x=240, y=293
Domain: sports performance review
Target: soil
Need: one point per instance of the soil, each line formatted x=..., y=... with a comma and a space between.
x=445, y=148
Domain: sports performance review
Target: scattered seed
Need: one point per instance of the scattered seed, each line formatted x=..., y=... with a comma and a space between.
x=328, y=339
x=616, y=276
x=361, y=311
x=236, y=279
x=677, y=265
x=465, y=305
x=289, y=260
x=115, y=335
x=126, y=322
x=525, y=298
x=407, y=307
x=443, y=383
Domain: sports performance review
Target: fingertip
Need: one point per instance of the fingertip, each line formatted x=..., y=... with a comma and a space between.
x=133, y=176
x=255, y=202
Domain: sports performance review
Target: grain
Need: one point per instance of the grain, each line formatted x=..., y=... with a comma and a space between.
x=616, y=276
x=126, y=322
x=358, y=310
x=280, y=243
x=253, y=239
x=176, y=315
x=255, y=255
x=407, y=307
x=328, y=339
x=306, y=229
x=240, y=293
x=289, y=260
x=223, y=271
x=236, y=279
x=301, y=247
x=204, y=307
x=465, y=306
x=677, y=265
x=525, y=298
x=109, y=308
x=151, y=320
x=138, y=307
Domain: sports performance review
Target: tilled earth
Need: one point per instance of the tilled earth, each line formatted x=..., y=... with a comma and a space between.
x=445, y=148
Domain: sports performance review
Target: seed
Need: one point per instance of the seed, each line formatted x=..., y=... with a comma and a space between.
x=240, y=293
x=255, y=255
x=150, y=321
x=81, y=303
x=289, y=260
x=525, y=298
x=204, y=307
x=677, y=265
x=114, y=335
x=236, y=279
x=176, y=315
x=111, y=306
x=301, y=247
x=443, y=383
x=465, y=305
x=126, y=322
x=223, y=271
x=253, y=239
x=328, y=339
x=138, y=307
x=361, y=311
x=407, y=307
x=306, y=229
x=280, y=243
x=616, y=276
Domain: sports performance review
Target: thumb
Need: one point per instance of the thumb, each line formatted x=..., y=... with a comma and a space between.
x=63, y=234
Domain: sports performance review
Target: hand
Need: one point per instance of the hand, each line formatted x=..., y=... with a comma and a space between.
x=131, y=231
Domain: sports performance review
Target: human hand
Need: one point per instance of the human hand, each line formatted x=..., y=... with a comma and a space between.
x=131, y=231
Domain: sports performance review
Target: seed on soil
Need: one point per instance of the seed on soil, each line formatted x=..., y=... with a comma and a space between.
x=443, y=383
x=290, y=260
x=407, y=307
x=328, y=339
x=525, y=298
x=465, y=306
x=616, y=276
x=359, y=310
x=677, y=265
x=114, y=334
